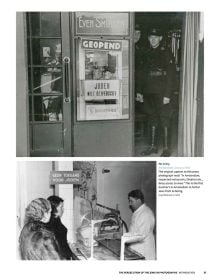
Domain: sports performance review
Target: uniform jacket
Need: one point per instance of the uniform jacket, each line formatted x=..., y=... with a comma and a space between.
x=36, y=242
x=156, y=72
x=143, y=223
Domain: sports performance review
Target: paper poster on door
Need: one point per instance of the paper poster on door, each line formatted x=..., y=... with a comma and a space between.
x=102, y=112
x=100, y=79
x=99, y=90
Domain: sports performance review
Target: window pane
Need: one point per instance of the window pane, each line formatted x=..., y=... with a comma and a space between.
x=47, y=80
x=102, y=79
x=46, y=52
x=35, y=24
x=48, y=108
x=45, y=24
x=50, y=24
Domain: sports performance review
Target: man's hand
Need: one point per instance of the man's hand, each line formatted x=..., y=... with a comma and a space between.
x=166, y=100
x=139, y=97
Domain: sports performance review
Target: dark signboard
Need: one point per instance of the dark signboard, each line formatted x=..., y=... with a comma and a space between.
x=65, y=177
x=99, y=23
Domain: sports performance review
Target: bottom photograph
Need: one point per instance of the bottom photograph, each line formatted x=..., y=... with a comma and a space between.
x=86, y=210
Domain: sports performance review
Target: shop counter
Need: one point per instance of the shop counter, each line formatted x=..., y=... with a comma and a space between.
x=106, y=249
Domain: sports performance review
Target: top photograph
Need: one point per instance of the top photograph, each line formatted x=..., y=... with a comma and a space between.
x=110, y=84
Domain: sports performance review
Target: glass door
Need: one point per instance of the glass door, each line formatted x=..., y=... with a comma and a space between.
x=49, y=84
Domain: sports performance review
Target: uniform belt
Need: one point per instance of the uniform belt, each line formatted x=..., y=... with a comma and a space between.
x=157, y=73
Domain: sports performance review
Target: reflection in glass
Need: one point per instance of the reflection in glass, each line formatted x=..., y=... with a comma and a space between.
x=50, y=24
x=45, y=24
x=103, y=79
x=47, y=80
x=48, y=108
x=45, y=66
x=46, y=52
x=100, y=65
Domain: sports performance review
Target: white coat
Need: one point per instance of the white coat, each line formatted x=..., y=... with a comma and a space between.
x=142, y=223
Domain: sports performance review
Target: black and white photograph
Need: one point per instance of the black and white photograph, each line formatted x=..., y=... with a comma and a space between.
x=97, y=84
x=109, y=136
x=86, y=210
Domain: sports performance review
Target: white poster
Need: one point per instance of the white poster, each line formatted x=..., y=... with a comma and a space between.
x=99, y=90
x=102, y=112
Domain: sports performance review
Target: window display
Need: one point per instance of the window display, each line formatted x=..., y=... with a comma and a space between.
x=48, y=108
x=45, y=69
x=102, y=79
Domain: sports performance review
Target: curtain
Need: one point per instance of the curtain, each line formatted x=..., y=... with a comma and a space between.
x=189, y=85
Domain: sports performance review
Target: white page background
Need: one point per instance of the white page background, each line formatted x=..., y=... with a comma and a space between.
x=187, y=226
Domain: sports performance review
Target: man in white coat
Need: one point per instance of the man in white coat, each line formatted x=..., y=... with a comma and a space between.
x=142, y=225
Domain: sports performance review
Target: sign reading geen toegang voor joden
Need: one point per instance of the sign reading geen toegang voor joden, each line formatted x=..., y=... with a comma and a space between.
x=65, y=177
x=101, y=89
x=101, y=45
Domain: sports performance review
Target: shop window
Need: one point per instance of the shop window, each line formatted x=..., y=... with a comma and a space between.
x=102, y=79
x=45, y=76
x=48, y=108
x=102, y=65
x=46, y=24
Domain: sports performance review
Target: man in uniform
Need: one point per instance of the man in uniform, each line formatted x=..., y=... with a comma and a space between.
x=154, y=88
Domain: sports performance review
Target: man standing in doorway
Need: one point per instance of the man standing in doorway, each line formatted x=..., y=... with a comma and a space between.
x=142, y=224
x=155, y=86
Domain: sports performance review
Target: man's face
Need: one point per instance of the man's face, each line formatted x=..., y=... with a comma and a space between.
x=154, y=40
x=134, y=203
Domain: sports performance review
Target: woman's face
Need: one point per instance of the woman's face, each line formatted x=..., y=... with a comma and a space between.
x=60, y=210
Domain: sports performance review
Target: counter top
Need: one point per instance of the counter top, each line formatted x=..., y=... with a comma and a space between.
x=107, y=249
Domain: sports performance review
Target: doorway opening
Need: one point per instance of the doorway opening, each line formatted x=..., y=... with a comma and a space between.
x=156, y=86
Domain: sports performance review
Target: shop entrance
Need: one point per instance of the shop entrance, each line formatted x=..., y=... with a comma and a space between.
x=80, y=84
x=150, y=72
x=50, y=99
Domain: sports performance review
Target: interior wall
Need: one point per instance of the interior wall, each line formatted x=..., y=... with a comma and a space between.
x=113, y=187
x=38, y=179
x=65, y=191
x=32, y=182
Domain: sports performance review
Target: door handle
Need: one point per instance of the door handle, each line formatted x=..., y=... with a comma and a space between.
x=66, y=78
